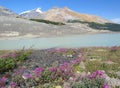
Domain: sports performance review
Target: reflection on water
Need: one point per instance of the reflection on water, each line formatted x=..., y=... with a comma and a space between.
x=64, y=42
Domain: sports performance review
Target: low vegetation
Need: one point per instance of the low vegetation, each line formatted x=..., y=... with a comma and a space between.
x=93, y=68
x=48, y=22
x=10, y=60
x=106, y=26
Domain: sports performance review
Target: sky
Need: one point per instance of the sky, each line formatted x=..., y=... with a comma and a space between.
x=109, y=9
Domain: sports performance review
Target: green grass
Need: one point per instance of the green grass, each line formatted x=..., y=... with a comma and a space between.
x=110, y=69
x=97, y=59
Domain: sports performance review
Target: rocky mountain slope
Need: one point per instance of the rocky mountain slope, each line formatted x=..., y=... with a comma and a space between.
x=7, y=12
x=63, y=15
x=13, y=25
x=16, y=27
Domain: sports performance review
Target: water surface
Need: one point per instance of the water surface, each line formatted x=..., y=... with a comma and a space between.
x=64, y=42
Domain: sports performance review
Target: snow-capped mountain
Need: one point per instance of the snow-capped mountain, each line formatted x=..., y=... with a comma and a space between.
x=61, y=15
x=35, y=13
x=13, y=25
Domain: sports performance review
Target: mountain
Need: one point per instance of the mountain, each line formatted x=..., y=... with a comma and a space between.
x=35, y=13
x=63, y=15
x=42, y=24
x=12, y=26
x=6, y=12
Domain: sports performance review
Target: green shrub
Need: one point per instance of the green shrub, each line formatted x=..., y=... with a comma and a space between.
x=88, y=83
x=48, y=22
x=49, y=85
x=6, y=64
x=106, y=26
x=10, y=60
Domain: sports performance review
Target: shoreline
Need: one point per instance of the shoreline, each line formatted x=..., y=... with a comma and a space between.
x=55, y=36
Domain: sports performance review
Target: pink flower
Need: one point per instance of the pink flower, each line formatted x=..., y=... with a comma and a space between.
x=62, y=50
x=27, y=76
x=14, y=55
x=2, y=81
x=39, y=71
x=53, y=69
x=106, y=86
x=75, y=62
x=66, y=64
x=93, y=75
x=98, y=73
x=13, y=85
x=6, y=56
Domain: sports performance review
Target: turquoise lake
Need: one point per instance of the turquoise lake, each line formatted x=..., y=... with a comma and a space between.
x=95, y=40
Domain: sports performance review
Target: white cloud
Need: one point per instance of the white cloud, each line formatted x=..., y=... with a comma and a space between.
x=116, y=20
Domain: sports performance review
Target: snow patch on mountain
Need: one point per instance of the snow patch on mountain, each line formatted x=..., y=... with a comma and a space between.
x=39, y=10
x=35, y=13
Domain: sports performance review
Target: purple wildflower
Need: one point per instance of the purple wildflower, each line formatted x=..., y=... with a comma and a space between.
x=93, y=75
x=13, y=85
x=98, y=73
x=114, y=48
x=14, y=55
x=2, y=81
x=75, y=62
x=22, y=70
x=106, y=86
x=39, y=71
x=66, y=64
x=6, y=56
x=53, y=69
x=27, y=75
x=62, y=50
x=61, y=67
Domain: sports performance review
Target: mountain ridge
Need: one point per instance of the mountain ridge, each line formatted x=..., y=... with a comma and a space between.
x=7, y=12
x=12, y=25
x=64, y=14
x=35, y=13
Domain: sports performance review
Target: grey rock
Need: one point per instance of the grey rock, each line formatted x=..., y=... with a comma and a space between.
x=7, y=12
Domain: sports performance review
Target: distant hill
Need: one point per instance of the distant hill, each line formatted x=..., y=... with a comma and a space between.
x=7, y=12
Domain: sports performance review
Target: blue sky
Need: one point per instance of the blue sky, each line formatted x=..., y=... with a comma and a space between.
x=109, y=9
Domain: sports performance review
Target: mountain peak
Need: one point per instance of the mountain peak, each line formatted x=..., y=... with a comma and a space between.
x=35, y=13
x=66, y=8
x=39, y=10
